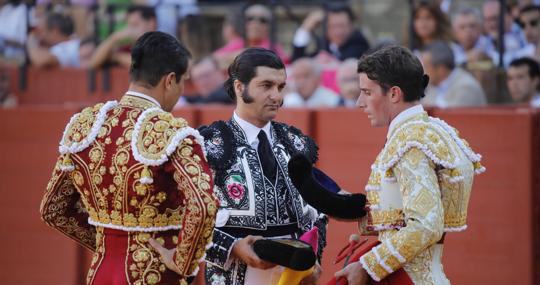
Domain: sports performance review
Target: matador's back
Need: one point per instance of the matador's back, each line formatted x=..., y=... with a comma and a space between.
x=131, y=171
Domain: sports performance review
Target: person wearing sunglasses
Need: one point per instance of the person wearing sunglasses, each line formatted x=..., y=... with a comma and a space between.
x=257, y=20
x=514, y=42
x=529, y=20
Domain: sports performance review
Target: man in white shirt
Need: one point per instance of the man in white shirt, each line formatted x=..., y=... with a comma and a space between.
x=54, y=46
x=347, y=81
x=522, y=78
x=515, y=44
x=306, y=74
x=249, y=155
x=13, y=30
x=467, y=28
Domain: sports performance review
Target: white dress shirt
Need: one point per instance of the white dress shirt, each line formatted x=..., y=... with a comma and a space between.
x=251, y=131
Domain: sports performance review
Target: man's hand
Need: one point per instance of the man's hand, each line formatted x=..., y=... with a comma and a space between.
x=127, y=34
x=166, y=255
x=354, y=273
x=243, y=250
x=313, y=277
x=313, y=20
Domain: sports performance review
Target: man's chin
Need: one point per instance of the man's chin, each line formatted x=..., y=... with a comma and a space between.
x=271, y=115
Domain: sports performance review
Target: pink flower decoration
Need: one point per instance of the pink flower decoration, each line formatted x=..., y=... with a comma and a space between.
x=236, y=190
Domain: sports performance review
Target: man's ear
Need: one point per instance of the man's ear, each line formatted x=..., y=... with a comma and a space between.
x=535, y=81
x=396, y=94
x=238, y=86
x=170, y=78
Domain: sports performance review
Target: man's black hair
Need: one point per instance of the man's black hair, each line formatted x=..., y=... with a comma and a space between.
x=244, y=67
x=156, y=54
x=395, y=65
x=534, y=70
x=529, y=8
x=63, y=23
x=147, y=12
x=441, y=54
x=340, y=8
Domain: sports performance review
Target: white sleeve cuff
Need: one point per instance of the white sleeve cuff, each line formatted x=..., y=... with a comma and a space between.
x=301, y=37
x=230, y=260
x=368, y=270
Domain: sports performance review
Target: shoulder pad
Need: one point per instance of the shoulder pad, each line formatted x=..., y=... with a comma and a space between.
x=219, y=144
x=157, y=134
x=295, y=141
x=432, y=140
x=83, y=127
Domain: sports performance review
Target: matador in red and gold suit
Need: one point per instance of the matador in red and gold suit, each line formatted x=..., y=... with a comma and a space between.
x=127, y=172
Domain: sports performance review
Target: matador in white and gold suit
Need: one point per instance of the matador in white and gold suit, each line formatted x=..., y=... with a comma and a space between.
x=434, y=168
x=420, y=183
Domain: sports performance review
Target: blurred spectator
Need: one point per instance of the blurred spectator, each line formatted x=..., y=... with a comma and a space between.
x=232, y=28
x=450, y=86
x=306, y=74
x=347, y=80
x=529, y=20
x=80, y=11
x=522, y=78
x=87, y=47
x=208, y=80
x=467, y=28
x=341, y=39
x=116, y=48
x=7, y=99
x=257, y=34
x=83, y=17
x=429, y=24
x=13, y=30
x=53, y=44
x=169, y=12
x=514, y=42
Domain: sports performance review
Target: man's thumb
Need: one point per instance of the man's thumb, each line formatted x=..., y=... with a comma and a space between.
x=156, y=245
x=339, y=274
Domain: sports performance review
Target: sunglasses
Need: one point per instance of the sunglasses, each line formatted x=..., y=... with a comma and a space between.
x=532, y=23
x=261, y=20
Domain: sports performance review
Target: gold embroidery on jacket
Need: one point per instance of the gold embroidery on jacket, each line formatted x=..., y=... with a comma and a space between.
x=61, y=209
x=97, y=258
x=198, y=224
x=146, y=268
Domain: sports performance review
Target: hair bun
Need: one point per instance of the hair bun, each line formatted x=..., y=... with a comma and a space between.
x=425, y=80
x=136, y=57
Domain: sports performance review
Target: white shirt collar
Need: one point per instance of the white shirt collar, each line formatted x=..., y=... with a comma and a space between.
x=404, y=115
x=251, y=130
x=144, y=96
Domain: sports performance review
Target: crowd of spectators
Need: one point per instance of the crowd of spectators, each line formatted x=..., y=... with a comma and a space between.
x=458, y=47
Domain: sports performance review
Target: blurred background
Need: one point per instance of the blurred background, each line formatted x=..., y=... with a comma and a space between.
x=57, y=56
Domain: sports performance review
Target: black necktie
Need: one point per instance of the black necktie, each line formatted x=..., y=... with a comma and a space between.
x=266, y=156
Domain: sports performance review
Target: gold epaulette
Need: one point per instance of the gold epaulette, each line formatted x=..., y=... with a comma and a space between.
x=436, y=139
x=156, y=136
x=82, y=130
x=421, y=135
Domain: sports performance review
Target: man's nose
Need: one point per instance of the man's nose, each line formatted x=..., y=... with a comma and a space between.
x=360, y=102
x=274, y=94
